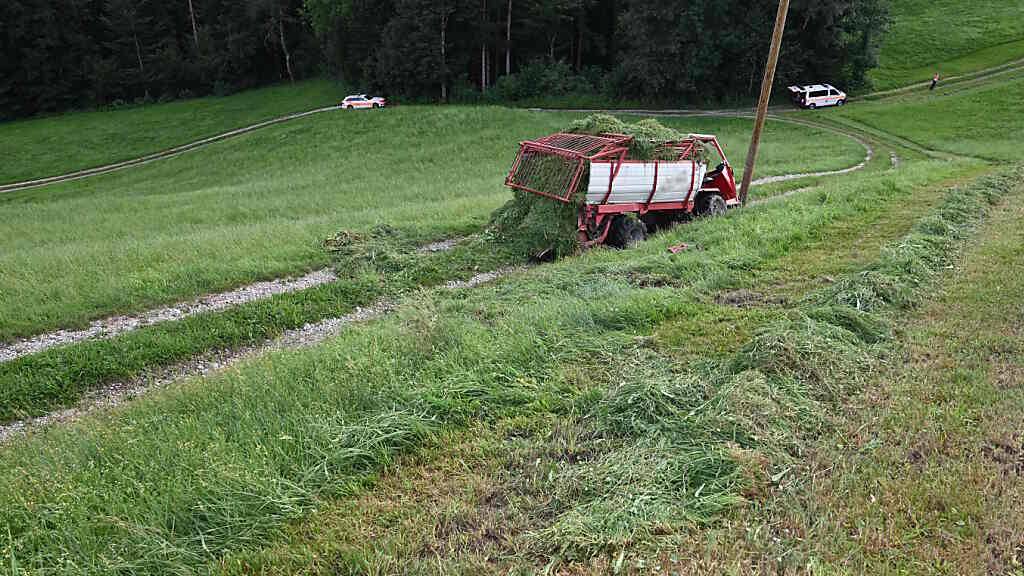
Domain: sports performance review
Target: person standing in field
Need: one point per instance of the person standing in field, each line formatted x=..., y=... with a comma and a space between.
x=935, y=81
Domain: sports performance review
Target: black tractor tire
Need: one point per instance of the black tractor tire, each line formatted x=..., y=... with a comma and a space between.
x=658, y=221
x=710, y=205
x=626, y=232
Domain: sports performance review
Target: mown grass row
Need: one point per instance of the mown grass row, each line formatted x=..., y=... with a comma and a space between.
x=617, y=478
x=220, y=464
x=690, y=442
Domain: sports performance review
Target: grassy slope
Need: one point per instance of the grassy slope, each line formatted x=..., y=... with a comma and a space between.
x=478, y=499
x=936, y=486
x=950, y=37
x=258, y=206
x=263, y=444
x=922, y=474
x=984, y=121
x=55, y=145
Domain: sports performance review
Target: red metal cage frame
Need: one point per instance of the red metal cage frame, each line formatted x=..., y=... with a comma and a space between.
x=578, y=148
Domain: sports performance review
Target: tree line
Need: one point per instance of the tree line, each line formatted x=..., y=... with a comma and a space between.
x=61, y=54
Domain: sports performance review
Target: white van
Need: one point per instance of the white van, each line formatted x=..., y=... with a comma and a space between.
x=817, y=95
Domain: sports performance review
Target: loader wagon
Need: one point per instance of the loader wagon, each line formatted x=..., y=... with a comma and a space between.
x=621, y=198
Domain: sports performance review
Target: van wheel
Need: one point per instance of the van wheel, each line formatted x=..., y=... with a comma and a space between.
x=841, y=103
x=627, y=231
x=812, y=106
x=710, y=205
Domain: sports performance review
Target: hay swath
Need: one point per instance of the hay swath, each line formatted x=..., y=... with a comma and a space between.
x=620, y=198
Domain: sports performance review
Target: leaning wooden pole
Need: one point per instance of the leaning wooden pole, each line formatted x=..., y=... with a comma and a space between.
x=766, y=95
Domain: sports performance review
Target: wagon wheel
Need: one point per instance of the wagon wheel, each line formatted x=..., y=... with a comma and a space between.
x=710, y=204
x=627, y=231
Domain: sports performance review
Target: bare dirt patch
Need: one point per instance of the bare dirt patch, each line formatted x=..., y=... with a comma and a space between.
x=744, y=298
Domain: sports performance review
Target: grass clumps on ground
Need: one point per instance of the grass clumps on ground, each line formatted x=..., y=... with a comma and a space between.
x=905, y=266
x=681, y=443
x=649, y=135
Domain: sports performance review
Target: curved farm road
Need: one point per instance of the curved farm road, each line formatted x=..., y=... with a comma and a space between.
x=975, y=78
x=169, y=153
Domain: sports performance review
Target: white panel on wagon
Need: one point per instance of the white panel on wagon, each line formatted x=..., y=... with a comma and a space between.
x=676, y=182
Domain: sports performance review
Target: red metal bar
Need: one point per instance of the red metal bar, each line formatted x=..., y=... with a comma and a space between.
x=614, y=174
x=654, y=188
x=636, y=206
x=693, y=177
x=515, y=165
x=573, y=183
x=535, y=191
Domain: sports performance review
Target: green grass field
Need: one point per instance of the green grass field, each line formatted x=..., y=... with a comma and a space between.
x=984, y=121
x=259, y=206
x=267, y=443
x=826, y=382
x=55, y=145
x=951, y=37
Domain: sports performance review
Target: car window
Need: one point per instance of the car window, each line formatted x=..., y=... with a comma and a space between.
x=819, y=93
x=833, y=93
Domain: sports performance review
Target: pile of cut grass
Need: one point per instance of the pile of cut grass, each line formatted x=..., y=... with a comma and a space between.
x=680, y=444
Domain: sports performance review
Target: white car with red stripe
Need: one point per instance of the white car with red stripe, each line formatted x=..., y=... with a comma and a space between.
x=817, y=95
x=363, y=101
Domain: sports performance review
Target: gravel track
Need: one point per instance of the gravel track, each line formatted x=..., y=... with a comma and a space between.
x=116, y=325
x=118, y=393
x=162, y=155
x=113, y=326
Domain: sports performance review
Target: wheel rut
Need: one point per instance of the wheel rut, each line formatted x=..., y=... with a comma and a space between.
x=120, y=392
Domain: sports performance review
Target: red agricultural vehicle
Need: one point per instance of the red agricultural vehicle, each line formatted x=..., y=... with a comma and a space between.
x=625, y=198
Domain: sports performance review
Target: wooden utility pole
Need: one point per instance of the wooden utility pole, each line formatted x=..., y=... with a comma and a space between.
x=195, y=30
x=766, y=95
x=508, y=40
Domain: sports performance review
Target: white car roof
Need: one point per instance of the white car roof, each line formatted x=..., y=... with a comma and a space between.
x=810, y=87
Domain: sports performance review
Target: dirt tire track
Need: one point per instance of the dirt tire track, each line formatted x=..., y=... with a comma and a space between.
x=118, y=393
x=112, y=326
x=163, y=154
